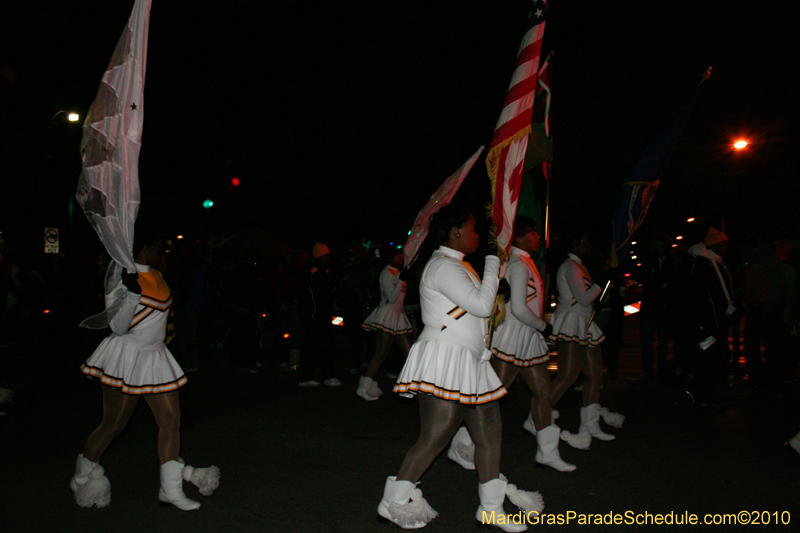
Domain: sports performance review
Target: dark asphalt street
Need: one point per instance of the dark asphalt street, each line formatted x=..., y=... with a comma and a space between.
x=315, y=460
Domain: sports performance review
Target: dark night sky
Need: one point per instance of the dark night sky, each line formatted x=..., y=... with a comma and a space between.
x=341, y=118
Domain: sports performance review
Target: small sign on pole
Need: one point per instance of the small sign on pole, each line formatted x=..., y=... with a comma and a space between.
x=51, y=240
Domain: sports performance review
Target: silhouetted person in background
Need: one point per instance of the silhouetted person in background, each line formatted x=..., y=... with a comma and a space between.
x=315, y=306
x=703, y=290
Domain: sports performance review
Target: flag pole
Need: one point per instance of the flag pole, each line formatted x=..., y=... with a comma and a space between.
x=548, y=174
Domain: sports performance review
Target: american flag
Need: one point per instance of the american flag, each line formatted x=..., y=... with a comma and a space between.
x=506, y=156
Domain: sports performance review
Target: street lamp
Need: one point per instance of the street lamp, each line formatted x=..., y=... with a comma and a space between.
x=740, y=144
x=72, y=116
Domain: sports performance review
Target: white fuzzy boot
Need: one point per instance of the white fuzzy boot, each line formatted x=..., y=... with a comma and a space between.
x=462, y=449
x=83, y=468
x=172, y=487
x=530, y=427
x=363, y=388
x=547, y=453
x=374, y=390
x=491, y=513
x=615, y=420
x=590, y=421
x=403, y=505
x=89, y=483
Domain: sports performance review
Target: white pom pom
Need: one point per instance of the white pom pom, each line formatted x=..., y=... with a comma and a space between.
x=581, y=441
x=415, y=511
x=486, y=356
x=526, y=500
x=615, y=420
x=205, y=479
x=96, y=491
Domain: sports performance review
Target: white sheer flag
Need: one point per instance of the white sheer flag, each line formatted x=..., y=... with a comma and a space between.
x=439, y=199
x=108, y=188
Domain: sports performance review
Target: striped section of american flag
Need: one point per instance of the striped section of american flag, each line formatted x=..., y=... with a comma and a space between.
x=507, y=151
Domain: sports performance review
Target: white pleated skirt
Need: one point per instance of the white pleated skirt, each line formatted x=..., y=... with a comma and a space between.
x=389, y=319
x=571, y=327
x=120, y=363
x=519, y=345
x=448, y=371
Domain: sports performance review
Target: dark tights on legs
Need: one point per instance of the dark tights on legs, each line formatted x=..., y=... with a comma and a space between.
x=167, y=412
x=383, y=342
x=439, y=420
x=117, y=410
x=538, y=381
x=573, y=359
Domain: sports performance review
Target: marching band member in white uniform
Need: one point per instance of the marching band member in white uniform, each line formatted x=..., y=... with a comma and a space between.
x=579, y=343
x=446, y=370
x=389, y=321
x=519, y=347
x=130, y=363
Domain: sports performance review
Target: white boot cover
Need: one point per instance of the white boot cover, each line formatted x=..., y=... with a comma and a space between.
x=172, y=487
x=363, y=388
x=462, y=449
x=615, y=420
x=83, y=467
x=579, y=441
x=374, y=390
x=404, y=505
x=205, y=479
x=96, y=491
x=547, y=453
x=528, y=425
x=491, y=513
x=590, y=421
x=526, y=500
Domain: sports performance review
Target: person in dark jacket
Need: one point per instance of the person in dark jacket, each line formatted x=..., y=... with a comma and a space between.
x=703, y=288
x=315, y=302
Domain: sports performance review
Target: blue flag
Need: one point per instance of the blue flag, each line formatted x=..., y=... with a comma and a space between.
x=638, y=191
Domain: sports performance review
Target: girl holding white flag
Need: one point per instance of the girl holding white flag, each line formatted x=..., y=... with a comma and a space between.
x=132, y=362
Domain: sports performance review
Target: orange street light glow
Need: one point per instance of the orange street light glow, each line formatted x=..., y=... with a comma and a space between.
x=690, y=219
x=739, y=144
x=679, y=237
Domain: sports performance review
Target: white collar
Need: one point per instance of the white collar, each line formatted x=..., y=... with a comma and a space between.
x=574, y=258
x=519, y=251
x=449, y=252
x=142, y=268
